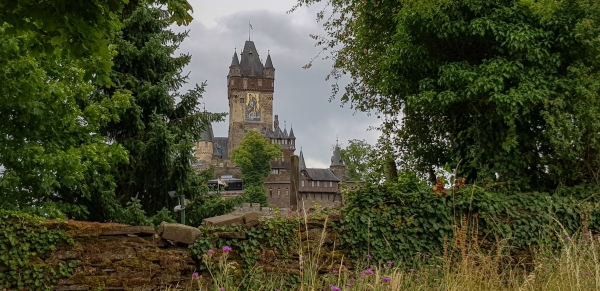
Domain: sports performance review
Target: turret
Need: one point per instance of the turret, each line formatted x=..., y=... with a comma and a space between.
x=235, y=70
x=337, y=164
x=269, y=70
x=204, y=146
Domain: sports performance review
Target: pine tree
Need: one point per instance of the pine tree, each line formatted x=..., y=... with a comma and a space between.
x=158, y=131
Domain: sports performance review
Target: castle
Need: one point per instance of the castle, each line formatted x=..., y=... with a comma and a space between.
x=250, y=88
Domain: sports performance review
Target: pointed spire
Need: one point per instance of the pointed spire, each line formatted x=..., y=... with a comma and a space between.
x=234, y=60
x=207, y=134
x=250, y=61
x=302, y=164
x=292, y=136
x=336, y=159
x=285, y=133
x=269, y=63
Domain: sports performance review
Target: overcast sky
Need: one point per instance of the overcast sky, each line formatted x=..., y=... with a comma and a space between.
x=301, y=96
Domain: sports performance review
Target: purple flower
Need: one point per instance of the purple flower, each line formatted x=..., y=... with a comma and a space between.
x=227, y=249
x=567, y=238
x=210, y=252
x=427, y=256
x=386, y=279
x=503, y=281
x=335, y=271
x=369, y=256
x=586, y=234
x=221, y=289
x=335, y=288
x=195, y=275
x=390, y=263
x=411, y=270
x=352, y=279
x=417, y=280
x=368, y=272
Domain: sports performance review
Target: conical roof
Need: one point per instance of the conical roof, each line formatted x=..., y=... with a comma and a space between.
x=207, y=134
x=302, y=164
x=292, y=136
x=234, y=60
x=269, y=63
x=251, y=64
x=336, y=159
x=285, y=133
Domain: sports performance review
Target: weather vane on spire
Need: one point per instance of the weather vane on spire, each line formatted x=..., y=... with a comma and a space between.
x=249, y=27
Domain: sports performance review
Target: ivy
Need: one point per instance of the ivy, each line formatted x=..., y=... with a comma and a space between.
x=277, y=234
x=405, y=220
x=24, y=240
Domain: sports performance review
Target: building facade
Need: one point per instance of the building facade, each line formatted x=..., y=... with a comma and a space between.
x=250, y=89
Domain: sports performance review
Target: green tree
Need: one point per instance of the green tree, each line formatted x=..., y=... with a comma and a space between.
x=362, y=162
x=254, y=155
x=160, y=128
x=505, y=90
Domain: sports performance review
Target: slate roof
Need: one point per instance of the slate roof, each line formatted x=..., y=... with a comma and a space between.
x=207, y=134
x=220, y=147
x=292, y=133
x=234, y=60
x=321, y=175
x=251, y=65
x=336, y=159
x=302, y=164
x=269, y=63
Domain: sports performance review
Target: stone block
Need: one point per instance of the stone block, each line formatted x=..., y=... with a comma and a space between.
x=255, y=207
x=246, y=205
x=252, y=216
x=66, y=255
x=131, y=230
x=179, y=233
x=251, y=224
x=72, y=288
x=224, y=220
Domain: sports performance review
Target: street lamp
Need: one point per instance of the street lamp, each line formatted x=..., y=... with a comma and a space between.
x=181, y=206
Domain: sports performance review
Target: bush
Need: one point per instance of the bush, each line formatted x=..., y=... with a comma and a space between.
x=256, y=194
x=402, y=220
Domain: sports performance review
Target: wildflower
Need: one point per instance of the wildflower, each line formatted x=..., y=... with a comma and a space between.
x=210, y=252
x=348, y=285
x=227, y=249
x=369, y=256
x=567, y=238
x=503, y=281
x=221, y=289
x=335, y=271
x=411, y=270
x=587, y=273
x=417, y=280
x=386, y=279
x=335, y=288
x=368, y=272
x=427, y=256
x=586, y=234
x=390, y=263
x=352, y=279
x=195, y=275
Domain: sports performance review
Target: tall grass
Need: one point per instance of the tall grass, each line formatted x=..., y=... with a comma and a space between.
x=463, y=266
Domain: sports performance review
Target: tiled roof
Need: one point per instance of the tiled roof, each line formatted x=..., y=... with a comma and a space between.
x=321, y=175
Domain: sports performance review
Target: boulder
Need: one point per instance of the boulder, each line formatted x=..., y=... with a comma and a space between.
x=179, y=233
x=224, y=220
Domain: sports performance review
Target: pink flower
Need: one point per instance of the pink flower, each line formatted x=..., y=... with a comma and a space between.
x=210, y=252
x=369, y=272
x=227, y=249
x=195, y=275
x=335, y=288
x=221, y=289
x=369, y=256
x=411, y=270
x=335, y=271
x=390, y=263
x=386, y=279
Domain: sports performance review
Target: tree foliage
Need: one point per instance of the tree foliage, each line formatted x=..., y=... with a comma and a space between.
x=158, y=131
x=254, y=156
x=362, y=161
x=503, y=90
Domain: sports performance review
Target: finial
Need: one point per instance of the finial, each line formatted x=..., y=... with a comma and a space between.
x=284, y=124
x=268, y=52
x=336, y=139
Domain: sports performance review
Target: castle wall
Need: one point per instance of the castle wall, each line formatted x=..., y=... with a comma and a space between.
x=330, y=200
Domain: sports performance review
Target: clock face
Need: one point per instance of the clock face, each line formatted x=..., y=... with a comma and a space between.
x=252, y=107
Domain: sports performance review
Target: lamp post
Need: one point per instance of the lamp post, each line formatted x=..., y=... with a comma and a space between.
x=181, y=206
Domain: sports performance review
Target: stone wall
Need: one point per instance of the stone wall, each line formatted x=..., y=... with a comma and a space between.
x=311, y=200
x=122, y=257
x=261, y=211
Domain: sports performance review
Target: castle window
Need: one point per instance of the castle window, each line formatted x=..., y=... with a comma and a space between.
x=287, y=192
x=318, y=183
x=242, y=100
x=330, y=184
x=312, y=183
x=231, y=82
x=259, y=82
x=245, y=83
x=271, y=192
x=278, y=192
x=302, y=183
x=275, y=171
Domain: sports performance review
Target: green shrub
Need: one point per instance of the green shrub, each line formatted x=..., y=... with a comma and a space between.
x=406, y=219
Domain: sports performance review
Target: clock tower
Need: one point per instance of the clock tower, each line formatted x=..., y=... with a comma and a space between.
x=250, y=87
